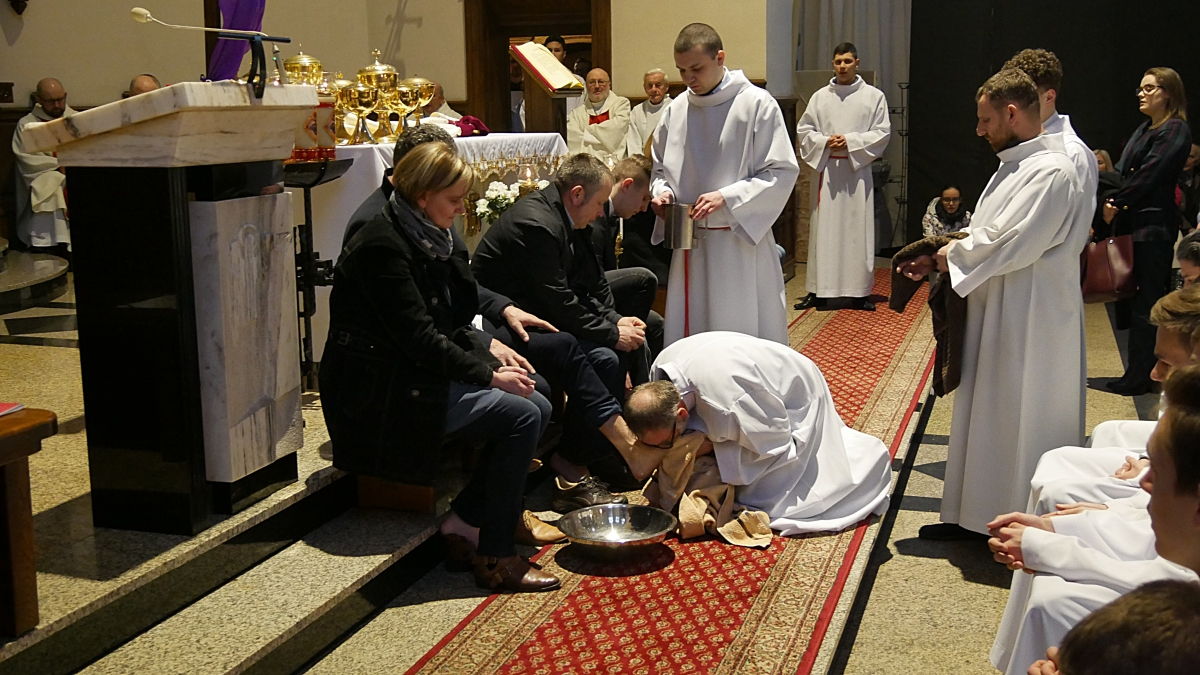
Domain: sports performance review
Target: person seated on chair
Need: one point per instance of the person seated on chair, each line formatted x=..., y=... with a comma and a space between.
x=1173, y=484
x=945, y=213
x=403, y=370
x=773, y=428
x=554, y=360
x=600, y=125
x=141, y=84
x=540, y=254
x=642, y=267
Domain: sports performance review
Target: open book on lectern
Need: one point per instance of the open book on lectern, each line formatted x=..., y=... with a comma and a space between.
x=546, y=70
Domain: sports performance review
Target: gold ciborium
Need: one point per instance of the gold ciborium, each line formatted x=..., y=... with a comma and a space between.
x=382, y=78
x=360, y=99
x=303, y=69
x=425, y=89
x=339, y=110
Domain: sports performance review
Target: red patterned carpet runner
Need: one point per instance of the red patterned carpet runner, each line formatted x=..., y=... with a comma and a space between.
x=703, y=606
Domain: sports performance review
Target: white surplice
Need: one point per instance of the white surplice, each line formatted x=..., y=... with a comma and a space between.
x=1022, y=386
x=642, y=120
x=607, y=137
x=731, y=140
x=775, y=432
x=841, y=248
x=1091, y=559
x=1123, y=434
x=41, y=205
x=1072, y=474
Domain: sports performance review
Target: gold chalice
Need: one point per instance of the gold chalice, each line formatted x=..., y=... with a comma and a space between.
x=425, y=89
x=408, y=99
x=362, y=99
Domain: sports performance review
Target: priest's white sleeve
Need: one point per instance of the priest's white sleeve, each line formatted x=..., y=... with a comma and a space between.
x=576, y=127
x=1068, y=558
x=864, y=147
x=810, y=140
x=756, y=201
x=1032, y=220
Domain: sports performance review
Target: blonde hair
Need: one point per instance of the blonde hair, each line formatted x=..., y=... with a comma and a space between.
x=429, y=167
x=1180, y=311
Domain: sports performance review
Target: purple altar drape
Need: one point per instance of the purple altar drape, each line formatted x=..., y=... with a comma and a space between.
x=227, y=56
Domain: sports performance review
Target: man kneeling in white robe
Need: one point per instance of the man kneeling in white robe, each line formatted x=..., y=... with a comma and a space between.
x=774, y=431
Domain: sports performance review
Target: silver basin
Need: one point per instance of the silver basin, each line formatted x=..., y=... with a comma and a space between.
x=613, y=526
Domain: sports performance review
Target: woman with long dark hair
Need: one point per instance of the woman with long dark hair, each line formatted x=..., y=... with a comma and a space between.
x=1145, y=207
x=946, y=213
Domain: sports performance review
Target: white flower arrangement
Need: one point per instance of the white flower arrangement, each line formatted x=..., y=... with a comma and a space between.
x=498, y=197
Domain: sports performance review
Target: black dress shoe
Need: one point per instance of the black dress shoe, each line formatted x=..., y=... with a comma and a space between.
x=863, y=304
x=947, y=532
x=1122, y=388
x=810, y=300
x=587, y=492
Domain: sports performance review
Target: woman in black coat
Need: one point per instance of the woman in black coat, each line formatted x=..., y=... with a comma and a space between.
x=403, y=369
x=1144, y=206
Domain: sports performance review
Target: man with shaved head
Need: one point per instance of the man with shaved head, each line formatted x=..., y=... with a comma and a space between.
x=41, y=205
x=141, y=84
x=600, y=124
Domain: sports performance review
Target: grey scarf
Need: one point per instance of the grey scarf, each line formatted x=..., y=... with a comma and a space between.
x=432, y=240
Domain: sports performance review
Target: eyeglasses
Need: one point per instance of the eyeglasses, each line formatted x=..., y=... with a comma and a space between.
x=1146, y=89
x=671, y=443
x=951, y=200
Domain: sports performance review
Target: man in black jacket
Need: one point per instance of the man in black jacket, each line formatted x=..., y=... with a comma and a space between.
x=519, y=338
x=540, y=254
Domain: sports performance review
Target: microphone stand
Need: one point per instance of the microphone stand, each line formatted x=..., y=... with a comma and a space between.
x=258, y=58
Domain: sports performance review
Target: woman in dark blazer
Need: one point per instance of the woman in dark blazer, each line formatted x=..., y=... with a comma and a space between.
x=1145, y=207
x=403, y=369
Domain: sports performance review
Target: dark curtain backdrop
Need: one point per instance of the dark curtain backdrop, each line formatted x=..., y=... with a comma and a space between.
x=1104, y=45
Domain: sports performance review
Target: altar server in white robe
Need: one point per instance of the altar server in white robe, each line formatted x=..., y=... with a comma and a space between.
x=1112, y=467
x=599, y=125
x=723, y=147
x=1137, y=539
x=844, y=128
x=645, y=115
x=1022, y=386
x=41, y=205
x=775, y=433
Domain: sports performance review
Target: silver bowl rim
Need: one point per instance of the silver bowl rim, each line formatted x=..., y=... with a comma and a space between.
x=650, y=538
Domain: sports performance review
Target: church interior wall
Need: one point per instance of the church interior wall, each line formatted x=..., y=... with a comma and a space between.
x=644, y=35
x=94, y=47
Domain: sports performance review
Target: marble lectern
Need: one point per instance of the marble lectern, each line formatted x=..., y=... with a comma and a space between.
x=185, y=282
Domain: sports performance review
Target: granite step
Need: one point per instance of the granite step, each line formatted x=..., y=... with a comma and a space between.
x=280, y=614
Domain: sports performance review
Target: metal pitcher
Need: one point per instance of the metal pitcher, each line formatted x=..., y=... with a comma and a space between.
x=680, y=229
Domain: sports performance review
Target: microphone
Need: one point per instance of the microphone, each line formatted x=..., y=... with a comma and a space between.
x=142, y=15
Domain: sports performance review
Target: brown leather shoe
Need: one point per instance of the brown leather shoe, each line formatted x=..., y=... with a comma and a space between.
x=513, y=573
x=533, y=531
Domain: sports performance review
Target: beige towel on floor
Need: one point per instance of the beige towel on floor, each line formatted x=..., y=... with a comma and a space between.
x=706, y=504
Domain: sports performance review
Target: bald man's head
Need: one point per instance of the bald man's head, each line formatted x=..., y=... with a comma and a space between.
x=598, y=85
x=142, y=84
x=51, y=95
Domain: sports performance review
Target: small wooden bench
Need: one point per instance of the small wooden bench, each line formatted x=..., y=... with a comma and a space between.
x=21, y=435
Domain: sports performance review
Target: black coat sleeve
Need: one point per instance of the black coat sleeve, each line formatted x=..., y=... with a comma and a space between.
x=387, y=285
x=539, y=251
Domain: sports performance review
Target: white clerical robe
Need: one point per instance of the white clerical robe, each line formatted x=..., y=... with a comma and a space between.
x=1093, y=558
x=41, y=205
x=731, y=140
x=841, y=247
x=599, y=129
x=642, y=120
x=1123, y=434
x=1022, y=386
x=1072, y=474
x=775, y=432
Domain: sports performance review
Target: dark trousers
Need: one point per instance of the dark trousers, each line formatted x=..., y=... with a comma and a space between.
x=592, y=380
x=512, y=426
x=633, y=290
x=1152, y=270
